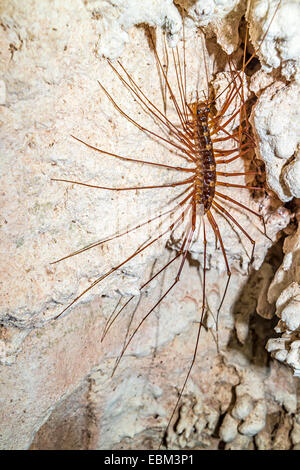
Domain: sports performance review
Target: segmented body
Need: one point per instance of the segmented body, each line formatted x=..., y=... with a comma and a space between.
x=205, y=181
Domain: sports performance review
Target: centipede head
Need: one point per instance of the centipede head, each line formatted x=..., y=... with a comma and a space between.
x=199, y=108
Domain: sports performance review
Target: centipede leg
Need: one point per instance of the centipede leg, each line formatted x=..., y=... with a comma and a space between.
x=224, y=211
x=227, y=198
x=190, y=236
x=140, y=127
x=136, y=90
x=118, y=235
x=131, y=188
x=112, y=270
x=112, y=320
x=198, y=332
x=215, y=228
x=128, y=159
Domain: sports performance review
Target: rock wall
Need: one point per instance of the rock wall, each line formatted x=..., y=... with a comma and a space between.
x=56, y=386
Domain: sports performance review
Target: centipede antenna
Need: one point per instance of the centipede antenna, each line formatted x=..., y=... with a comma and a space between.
x=144, y=129
x=165, y=98
x=265, y=34
x=184, y=66
x=137, y=91
x=173, y=98
x=255, y=51
x=205, y=65
x=176, y=62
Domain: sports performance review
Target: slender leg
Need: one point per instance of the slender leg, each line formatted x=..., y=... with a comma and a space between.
x=118, y=235
x=221, y=173
x=224, y=211
x=231, y=185
x=227, y=198
x=215, y=227
x=170, y=185
x=120, y=157
x=136, y=90
x=190, y=236
x=112, y=270
x=141, y=128
x=198, y=334
x=111, y=321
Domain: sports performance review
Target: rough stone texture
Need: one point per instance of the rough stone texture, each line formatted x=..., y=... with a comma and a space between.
x=56, y=385
x=219, y=19
x=279, y=137
x=280, y=47
x=285, y=291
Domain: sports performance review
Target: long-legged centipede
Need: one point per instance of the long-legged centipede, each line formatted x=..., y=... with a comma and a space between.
x=205, y=139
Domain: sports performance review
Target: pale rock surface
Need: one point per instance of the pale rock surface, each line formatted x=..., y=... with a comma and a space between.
x=216, y=18
x=295, y=434
x=281, y=46
x=228, y=430
x=285, y=291
x=255, y=421
x=275, y=117
x=247, y=417
x=242, y=407
x=119, y=17
x=276, y=121
x=240, y=443
x=56, y=385
x=291, y=173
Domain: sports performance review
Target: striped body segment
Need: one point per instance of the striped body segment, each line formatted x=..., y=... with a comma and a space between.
x=205, y=180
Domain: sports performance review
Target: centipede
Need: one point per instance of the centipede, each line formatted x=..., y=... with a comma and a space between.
x=205, y=147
